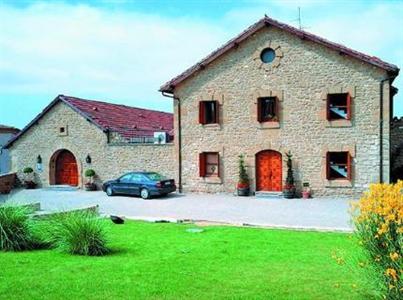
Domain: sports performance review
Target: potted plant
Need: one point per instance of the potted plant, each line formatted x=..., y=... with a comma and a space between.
x=90, y=185
x=243, y=187
x=289, y=188
x=29, y=178
x=306, y=191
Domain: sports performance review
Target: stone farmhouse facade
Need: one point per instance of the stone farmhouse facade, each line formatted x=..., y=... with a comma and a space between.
x=275, y=89
x=72, y=135
x=271, y=90
x=6, y=134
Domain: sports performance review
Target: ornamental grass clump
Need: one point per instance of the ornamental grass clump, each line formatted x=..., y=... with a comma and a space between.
x=15, y=229
x=81, y=233
x=379, y=225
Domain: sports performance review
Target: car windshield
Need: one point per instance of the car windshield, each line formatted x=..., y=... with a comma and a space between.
x=155, y=176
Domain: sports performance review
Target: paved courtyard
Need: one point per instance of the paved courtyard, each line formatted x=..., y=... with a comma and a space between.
x=320, y=214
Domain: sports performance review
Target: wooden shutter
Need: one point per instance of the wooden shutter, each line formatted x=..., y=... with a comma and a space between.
x=218, y=165
x=217, y=112
x=348, y=106
x=202, y=115
x=259, y=110
x=277, y=108
x=202, y=164
x=349, y=166
x=327, y=107
x=327, y=165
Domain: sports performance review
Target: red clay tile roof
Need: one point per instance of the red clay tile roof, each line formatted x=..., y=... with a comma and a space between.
x=266, y=21
x=129, y=122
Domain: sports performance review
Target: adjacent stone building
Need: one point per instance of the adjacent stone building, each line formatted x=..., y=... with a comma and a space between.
x=73, y=134
x=397, y=149
x=6, y=134
x=275, y=89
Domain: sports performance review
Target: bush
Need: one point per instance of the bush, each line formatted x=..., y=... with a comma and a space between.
x=15, y=229
x=379, y=226
x=81, y=233
x=28, y=170
x=89, y=173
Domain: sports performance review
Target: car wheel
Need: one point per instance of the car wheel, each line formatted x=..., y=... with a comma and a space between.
x=109, y=191
x=145, y=194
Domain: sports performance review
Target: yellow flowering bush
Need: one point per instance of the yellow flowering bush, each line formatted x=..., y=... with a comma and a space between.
x=378, y=218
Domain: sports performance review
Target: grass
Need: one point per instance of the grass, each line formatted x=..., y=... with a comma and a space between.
x=15, y=229
x=80, y=232
x=163, y=261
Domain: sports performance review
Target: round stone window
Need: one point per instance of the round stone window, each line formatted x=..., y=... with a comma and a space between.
x=267, y=55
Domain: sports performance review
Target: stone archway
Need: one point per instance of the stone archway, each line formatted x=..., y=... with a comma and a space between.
x=63, y=169
x=269, y=169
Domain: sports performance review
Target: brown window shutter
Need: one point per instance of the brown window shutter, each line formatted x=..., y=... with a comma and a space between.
x=327, y=165
x=327, y=108
x=348, y=106
x=217, y=112
x=202, y=164
x=202, y=119
x=277, y=108
x=349, y=166
x=218, y=165
x=259, y=110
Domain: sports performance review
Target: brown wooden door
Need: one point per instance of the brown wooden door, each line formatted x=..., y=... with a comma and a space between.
x=66, y=169
x=269, y=171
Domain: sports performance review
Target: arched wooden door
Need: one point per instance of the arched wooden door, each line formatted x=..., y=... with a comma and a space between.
x=66, y=169
x=269, y=171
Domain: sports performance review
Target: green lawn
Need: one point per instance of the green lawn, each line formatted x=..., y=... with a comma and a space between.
x=163, y=261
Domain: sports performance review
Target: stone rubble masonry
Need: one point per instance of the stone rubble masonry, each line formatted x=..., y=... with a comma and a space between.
x=302, y=76
x=82, y=138
x=396, y=137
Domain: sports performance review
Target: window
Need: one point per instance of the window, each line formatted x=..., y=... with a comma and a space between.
x=209, y=164
x=338, y=165
x=339, y=106
x=267, y=55
x=126, y=178
x=267, y=109
x=208, y=112
x=62, y=129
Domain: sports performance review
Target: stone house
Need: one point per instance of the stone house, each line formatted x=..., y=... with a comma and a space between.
x=274, y=89
x=6, y=134
x=397, y=149
x=71, y=135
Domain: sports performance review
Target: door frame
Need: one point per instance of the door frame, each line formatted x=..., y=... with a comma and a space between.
x=257, y=168
x=52, y=166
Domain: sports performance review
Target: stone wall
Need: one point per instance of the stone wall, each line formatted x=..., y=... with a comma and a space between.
x=301, y=76
x=82, y=138
x=396, y=137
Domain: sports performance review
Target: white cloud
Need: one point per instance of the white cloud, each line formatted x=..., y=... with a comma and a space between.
x=82, y=50
x=126, y=55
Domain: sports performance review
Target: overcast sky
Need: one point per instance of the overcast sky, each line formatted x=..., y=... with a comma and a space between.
x=123, y=51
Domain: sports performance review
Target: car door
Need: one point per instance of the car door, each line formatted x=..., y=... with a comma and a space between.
x=122, y=186
x=135, y=185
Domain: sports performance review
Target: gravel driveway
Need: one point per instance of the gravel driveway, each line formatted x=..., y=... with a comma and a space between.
x=319, y=213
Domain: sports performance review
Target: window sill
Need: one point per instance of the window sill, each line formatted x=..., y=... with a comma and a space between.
x=338, y=123
x=212, y=180
x=215, y=126
x=336, y=183
x=269, y=125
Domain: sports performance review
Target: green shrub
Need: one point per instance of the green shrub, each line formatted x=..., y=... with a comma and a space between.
x=15, y=229
x=28, y=170
x=89, y=173
x=81, y=233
